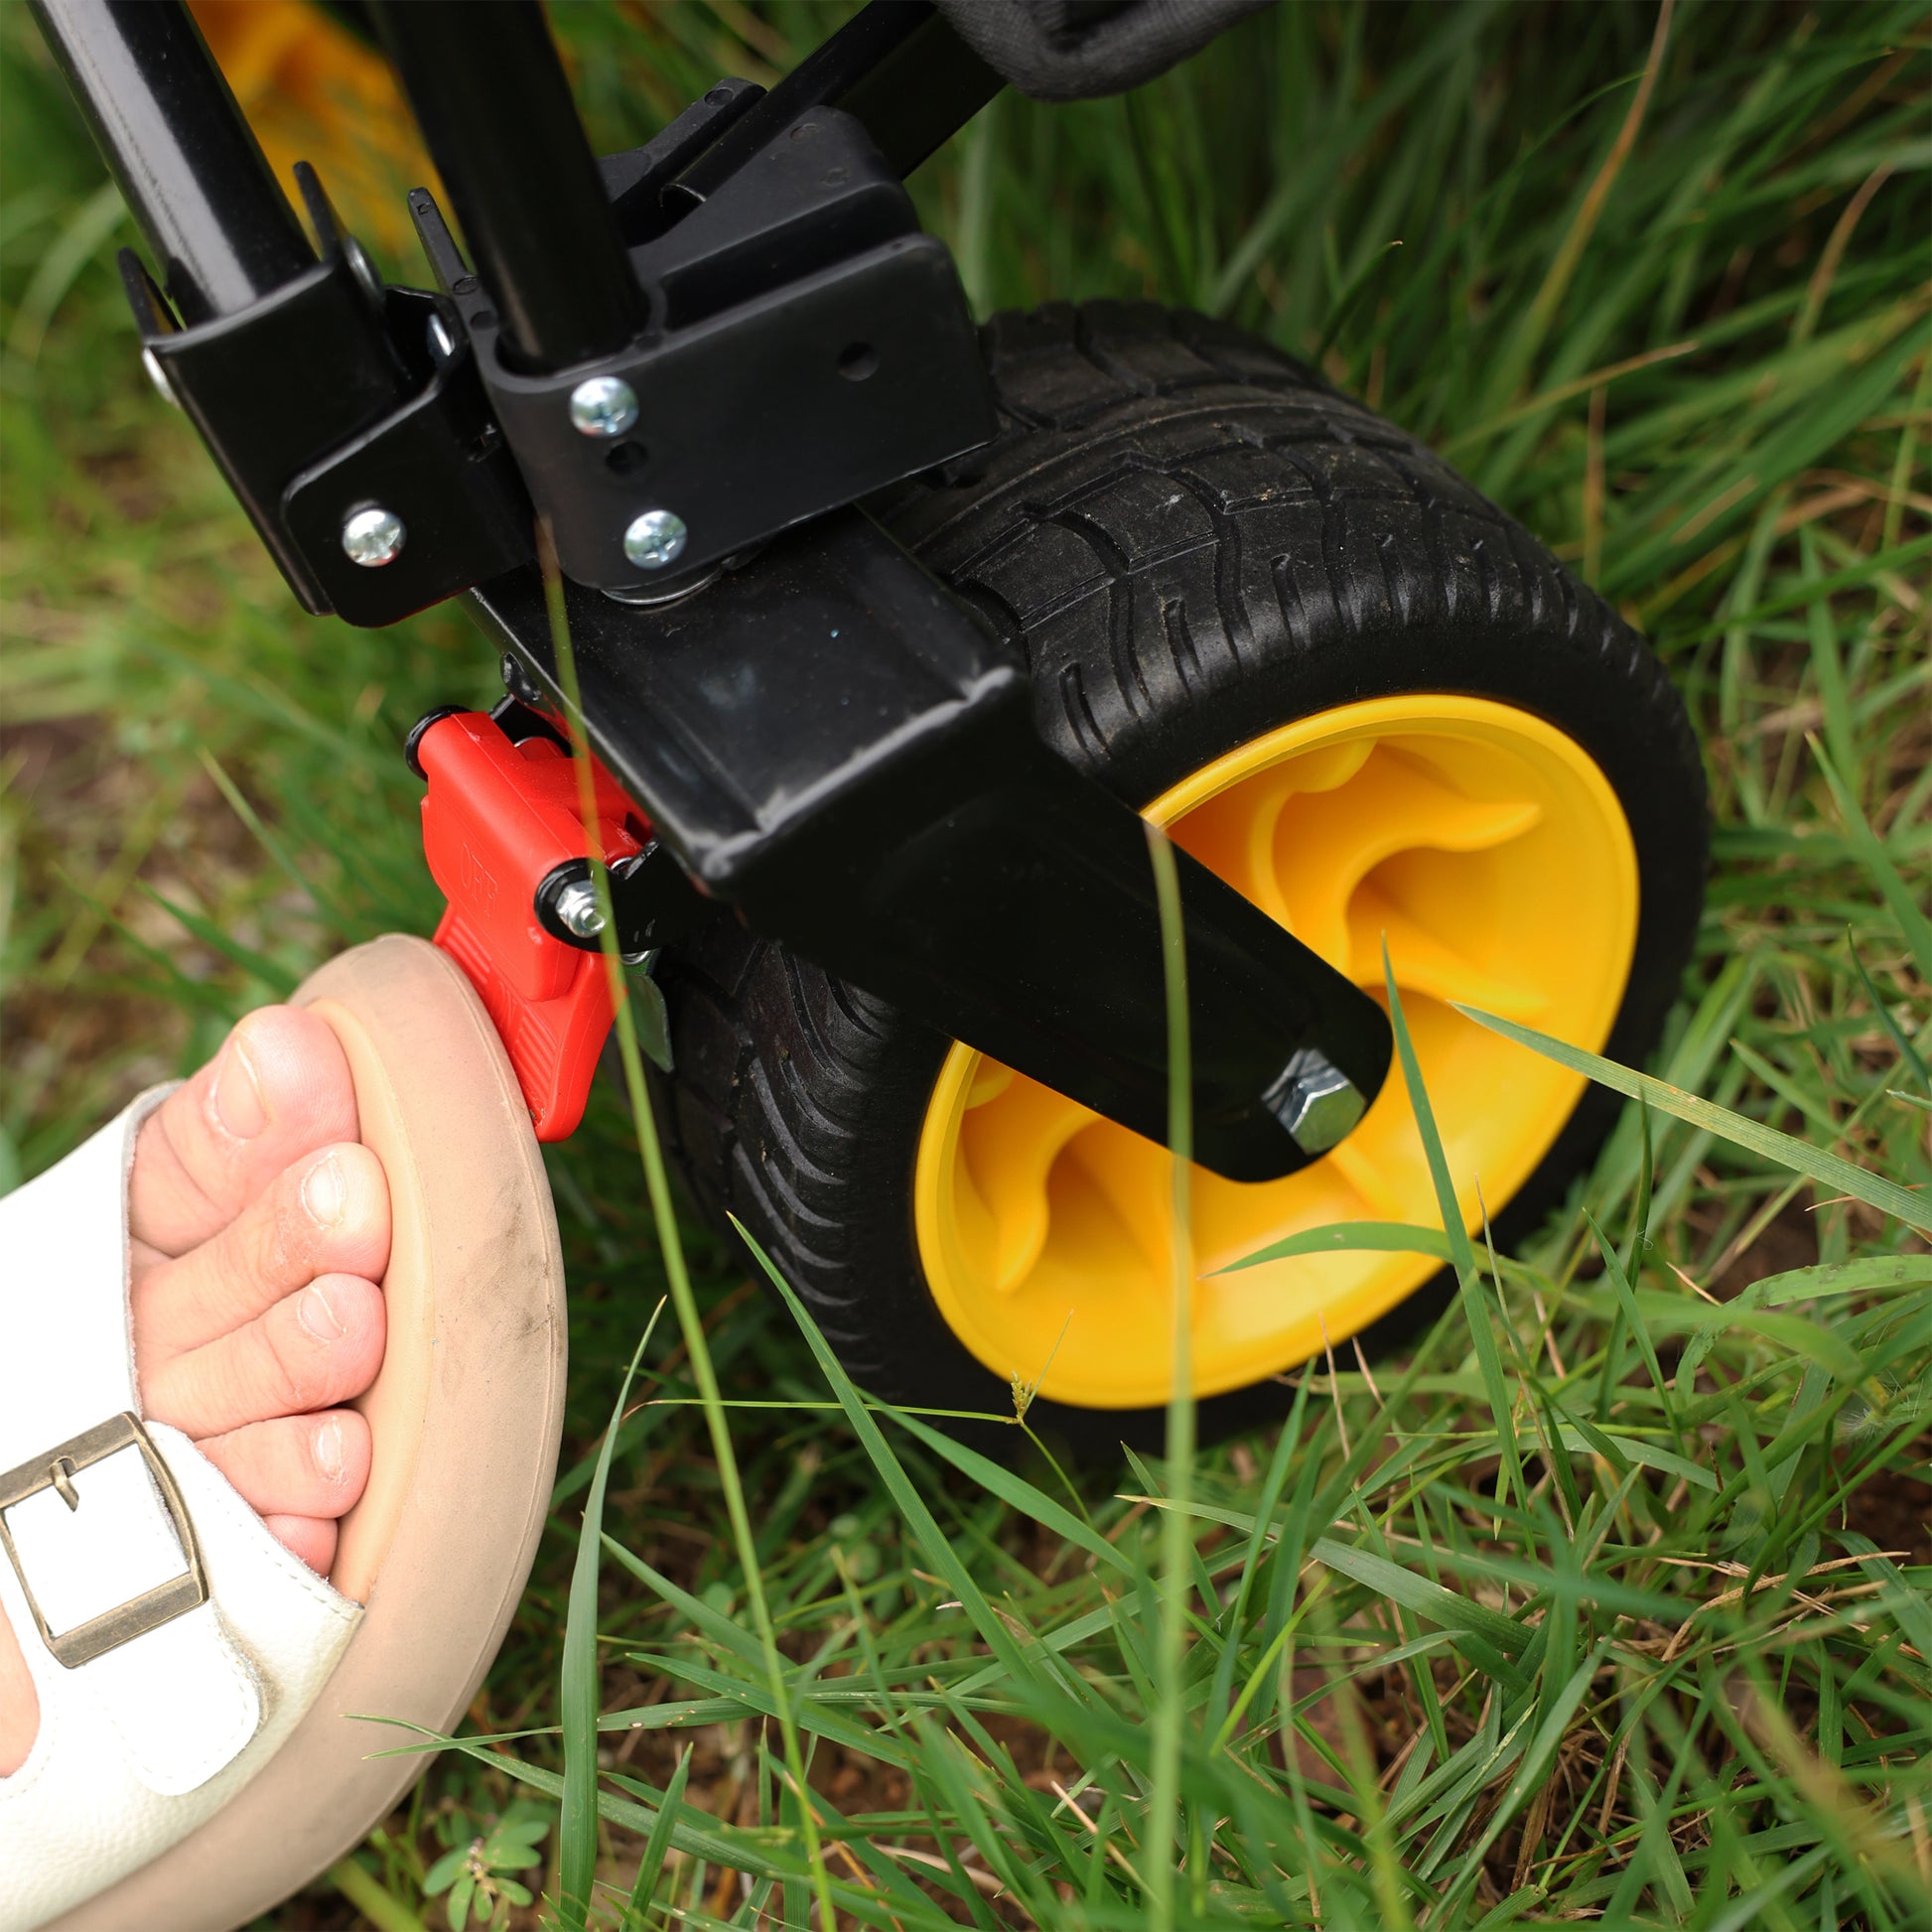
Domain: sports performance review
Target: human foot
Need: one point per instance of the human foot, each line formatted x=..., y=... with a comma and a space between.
x=259, y=1226
x=196, y=1756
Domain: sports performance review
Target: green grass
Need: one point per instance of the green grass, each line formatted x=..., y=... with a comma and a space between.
x=1611, y=1599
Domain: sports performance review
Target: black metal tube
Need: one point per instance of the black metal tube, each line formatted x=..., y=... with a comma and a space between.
x=495, y=109
x=184, y=158
x=897, y=66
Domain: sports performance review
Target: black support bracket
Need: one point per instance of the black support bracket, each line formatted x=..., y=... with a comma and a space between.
x=807, y=344
x=833, y=745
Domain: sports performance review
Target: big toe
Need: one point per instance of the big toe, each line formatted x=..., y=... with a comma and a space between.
x=278, y=1089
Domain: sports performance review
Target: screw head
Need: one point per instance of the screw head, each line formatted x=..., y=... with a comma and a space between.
x=577, y=910
x=1315, y=1100
x=655, y=540
x=373, y=537
x=604, y=405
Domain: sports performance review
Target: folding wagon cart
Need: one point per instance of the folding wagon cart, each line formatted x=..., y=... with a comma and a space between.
x=893, y=635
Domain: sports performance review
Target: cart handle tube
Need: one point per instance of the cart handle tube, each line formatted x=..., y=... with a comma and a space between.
x=180, y=149
x=489, y=95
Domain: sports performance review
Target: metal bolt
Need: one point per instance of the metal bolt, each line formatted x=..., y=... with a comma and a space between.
x=577, y=910
x=1315, y=1100
x=159, y=377
x=655, y=540
x=373, y=537
x=603, y=405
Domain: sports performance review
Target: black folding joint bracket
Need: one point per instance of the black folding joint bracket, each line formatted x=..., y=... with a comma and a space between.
x=837, y=748
x=807, y=344
x=323, y=396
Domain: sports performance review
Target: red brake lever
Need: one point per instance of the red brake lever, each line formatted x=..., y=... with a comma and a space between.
x=497, y=818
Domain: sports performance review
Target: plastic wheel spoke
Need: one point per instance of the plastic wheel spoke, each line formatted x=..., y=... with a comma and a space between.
x=1234, y=835
x=1423, y=964
x=1011, y=1144
x=1358, y=1167
x=1132, y=1177
x=1392, y=805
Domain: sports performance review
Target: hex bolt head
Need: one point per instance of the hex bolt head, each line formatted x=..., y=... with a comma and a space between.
x=373, y=537
x=1315, y=1100
x=577, y=910
x=655, y=540
x=603, y=405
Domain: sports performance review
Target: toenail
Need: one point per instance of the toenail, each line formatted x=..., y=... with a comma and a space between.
x=238, y=1096
x=329, y=1448
x=312, y=1310
x=325, y=1192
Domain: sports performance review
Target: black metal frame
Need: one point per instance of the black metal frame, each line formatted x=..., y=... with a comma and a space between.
x=691, y=361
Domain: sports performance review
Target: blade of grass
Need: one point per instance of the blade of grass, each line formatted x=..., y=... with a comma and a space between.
x=658, y=1183
x=1781, y=1149
x=1908, y=1054
x=1468, y=1281
x=1177, y=1532
x=1541, y=1749
x=937, y=1545
x=1614, y=1267
x=1016, y=1493
x=1862, y=1276
x=1540, y=313
x=368, y=1893
x=659, y=1842
x=577, y=1695
x=1380, y=1237
x=1499, y=1635
x=1900, y=897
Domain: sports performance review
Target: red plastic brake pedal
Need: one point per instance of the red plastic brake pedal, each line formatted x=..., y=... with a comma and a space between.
x=498, y=816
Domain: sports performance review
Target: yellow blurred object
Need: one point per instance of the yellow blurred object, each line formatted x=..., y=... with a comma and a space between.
x=312, y=91
x=1490, y=855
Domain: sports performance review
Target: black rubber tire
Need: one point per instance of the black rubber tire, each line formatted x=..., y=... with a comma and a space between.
x=1194, y=539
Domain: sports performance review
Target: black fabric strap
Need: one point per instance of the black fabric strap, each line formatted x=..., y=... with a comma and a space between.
x=1073, y=49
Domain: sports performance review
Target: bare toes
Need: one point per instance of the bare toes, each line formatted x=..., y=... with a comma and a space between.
x=296, y=1465
x=312, y=1538
x=327, y=1214
x=259, y=1228
x=317, y=1347
x=278, y=1089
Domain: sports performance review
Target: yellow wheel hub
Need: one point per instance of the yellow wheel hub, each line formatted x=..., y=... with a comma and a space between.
x=1491, y=853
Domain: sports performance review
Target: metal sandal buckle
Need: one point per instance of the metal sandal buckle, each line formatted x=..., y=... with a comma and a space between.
x=55, y=1470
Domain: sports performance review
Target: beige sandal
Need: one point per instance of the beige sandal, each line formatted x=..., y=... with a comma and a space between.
x=205, y=1760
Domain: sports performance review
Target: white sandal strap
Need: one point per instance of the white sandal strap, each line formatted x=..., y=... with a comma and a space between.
x=167, y=1668
x=65, y=1296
